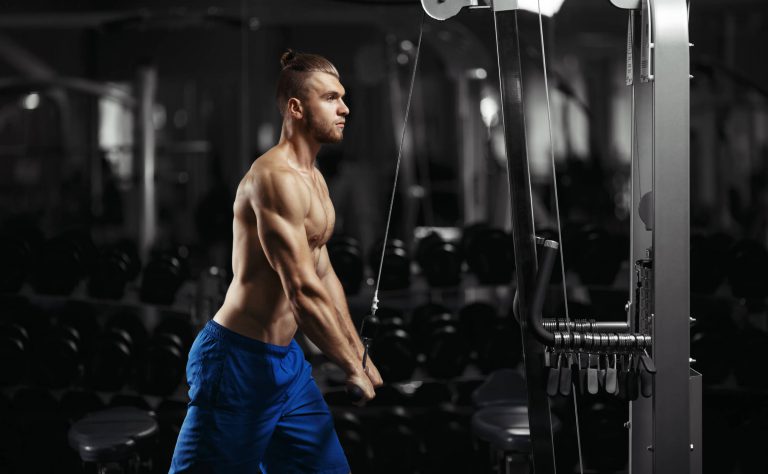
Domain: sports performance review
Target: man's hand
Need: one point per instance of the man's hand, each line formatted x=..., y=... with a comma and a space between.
x=361, y=380
x=373, y=374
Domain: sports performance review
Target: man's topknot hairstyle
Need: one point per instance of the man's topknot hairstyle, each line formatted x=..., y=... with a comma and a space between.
x=296, y=67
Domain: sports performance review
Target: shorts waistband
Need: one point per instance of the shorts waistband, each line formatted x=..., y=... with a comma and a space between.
x=247, y=343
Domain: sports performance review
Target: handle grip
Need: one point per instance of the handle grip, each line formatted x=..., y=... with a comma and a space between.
x=355, y=393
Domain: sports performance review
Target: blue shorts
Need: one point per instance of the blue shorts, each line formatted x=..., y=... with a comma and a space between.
x=254, y=406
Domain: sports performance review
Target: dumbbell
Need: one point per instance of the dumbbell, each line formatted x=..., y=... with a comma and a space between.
x=393, y=350
x=115, y=355
x=113, y=269
x=396, y=266
x=489, y=253
x=447, y=350
x=61, y=262
x=346, y=258
x=63, y=350
x=14, y=353
x=164, y=360
x=163, y=276
x=352, y=437
x=746, y=273
x=395, y=445
x=439, y=260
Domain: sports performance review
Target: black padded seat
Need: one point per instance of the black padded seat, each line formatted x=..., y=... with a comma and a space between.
x=112, y=435
x=505, y=428
x=502, y=387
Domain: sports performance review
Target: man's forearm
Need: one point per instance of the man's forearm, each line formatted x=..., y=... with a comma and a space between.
x=318, y=319
x=336, y=292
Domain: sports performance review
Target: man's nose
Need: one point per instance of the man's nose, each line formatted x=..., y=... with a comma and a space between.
x=343, y=110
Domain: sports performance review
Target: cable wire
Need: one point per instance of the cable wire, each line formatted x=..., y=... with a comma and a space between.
x=375, y=303
x=557, y=216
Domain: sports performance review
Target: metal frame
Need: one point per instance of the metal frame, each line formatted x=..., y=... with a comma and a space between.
x=665, y=431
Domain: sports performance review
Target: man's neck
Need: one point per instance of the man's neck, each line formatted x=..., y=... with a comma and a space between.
x=301, y=150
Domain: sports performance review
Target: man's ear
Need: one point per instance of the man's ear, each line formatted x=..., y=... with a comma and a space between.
x=295, y=109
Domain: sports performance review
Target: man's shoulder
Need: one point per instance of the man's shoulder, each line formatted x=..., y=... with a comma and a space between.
x=275, y=185
x=267, y=171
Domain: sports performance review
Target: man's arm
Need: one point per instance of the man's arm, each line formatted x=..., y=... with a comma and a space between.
x=281, y=206
x=336, y=291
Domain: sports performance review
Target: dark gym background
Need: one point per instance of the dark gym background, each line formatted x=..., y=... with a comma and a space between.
x=94, y=313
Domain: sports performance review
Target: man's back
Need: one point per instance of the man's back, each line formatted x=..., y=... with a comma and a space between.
x=256, y=304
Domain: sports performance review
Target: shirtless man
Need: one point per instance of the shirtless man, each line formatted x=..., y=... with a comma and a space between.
x=253, y=402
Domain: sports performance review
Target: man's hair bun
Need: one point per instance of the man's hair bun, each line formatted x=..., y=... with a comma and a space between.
x=287, y=57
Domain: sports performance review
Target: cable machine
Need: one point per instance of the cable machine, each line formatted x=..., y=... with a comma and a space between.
x=651, y=342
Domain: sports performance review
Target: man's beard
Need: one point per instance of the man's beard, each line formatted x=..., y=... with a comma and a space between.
x=322, y=132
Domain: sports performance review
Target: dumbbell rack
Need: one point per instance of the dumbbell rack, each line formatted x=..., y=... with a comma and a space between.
x=665, y=430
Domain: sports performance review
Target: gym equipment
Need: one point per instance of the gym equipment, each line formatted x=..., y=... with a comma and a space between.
x=420, y=321
x=113, y=269
x=489, y=254
x=501, y=387
x=446, y=350
x=395, y=267
x=505, y=429
x=346, y=257
x=62, y=352
x=14, y=353
x=163, y=362
x=439, y=260
x=114, y=359
x=62, y=262
x=394, y=354
x=162, y=277
x=114, y=438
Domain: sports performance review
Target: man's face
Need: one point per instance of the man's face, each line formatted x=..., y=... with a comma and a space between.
x=325, y=112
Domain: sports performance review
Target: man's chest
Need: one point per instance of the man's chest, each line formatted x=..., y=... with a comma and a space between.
x=320, y=218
